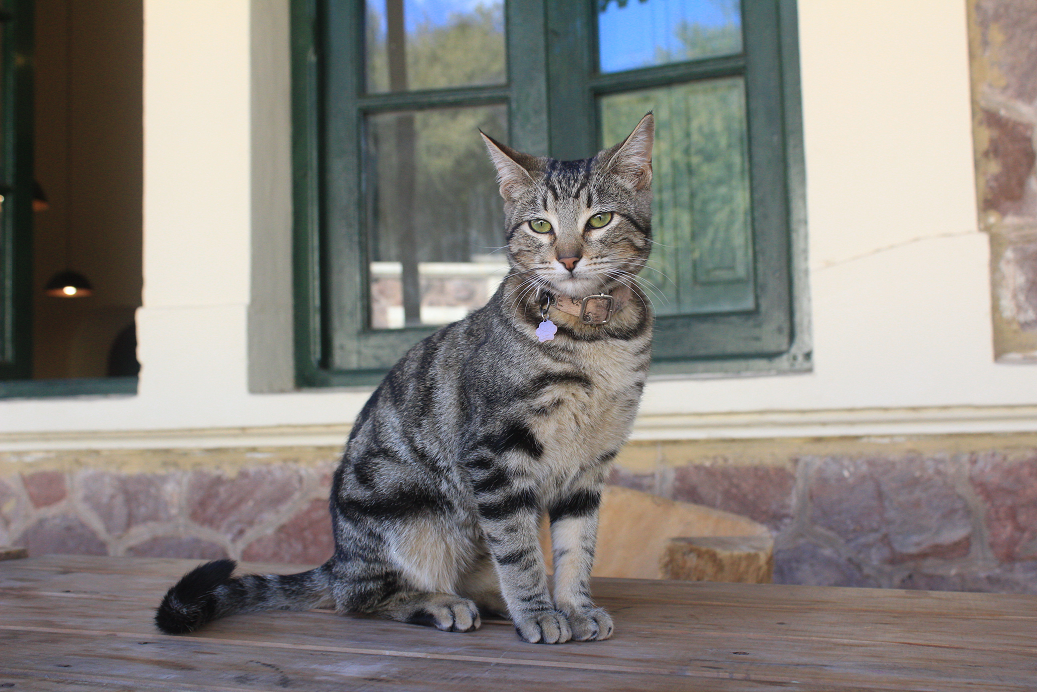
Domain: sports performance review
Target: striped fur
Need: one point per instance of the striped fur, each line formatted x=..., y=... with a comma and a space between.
x=480, y=429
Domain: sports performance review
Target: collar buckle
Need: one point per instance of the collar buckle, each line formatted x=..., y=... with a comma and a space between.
x=597, y=309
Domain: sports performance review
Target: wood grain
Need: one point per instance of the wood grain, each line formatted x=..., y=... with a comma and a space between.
x=70, y=623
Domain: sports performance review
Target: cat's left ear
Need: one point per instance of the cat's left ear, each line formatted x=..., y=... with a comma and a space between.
x=631, y=159
x=513, y=167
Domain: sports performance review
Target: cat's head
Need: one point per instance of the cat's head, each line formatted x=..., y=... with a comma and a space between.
x=578, y=227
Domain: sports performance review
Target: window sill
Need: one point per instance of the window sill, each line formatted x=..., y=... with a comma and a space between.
x=85, y=386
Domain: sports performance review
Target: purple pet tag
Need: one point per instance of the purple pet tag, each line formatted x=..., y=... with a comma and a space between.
x=546, y=331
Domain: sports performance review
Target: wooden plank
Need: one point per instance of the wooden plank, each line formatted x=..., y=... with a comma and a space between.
x=70, y=622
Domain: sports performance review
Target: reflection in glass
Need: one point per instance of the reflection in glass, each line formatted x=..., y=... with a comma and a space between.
x=643, y=33
x=434, y=44
x=700, y=191
x=434, y=215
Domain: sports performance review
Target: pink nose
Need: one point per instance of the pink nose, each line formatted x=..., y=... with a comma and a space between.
x=569, y=262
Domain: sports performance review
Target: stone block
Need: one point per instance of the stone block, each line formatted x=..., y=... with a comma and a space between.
x=125, y=501
x=178, y=546
x=645, y=482
x=304, y=539
x=12, y=506
x=762, y=493
x=45, y=488
x=1008, y=488
x=234, y=504
x=7, y=553
x=1010, y=149
x=1006, y=30
x=741, y=559
x=62, y=535
x=1017, y=270
x=816, y=565
x=891, y=510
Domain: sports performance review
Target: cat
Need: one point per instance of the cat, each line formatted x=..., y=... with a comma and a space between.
x=481, y=428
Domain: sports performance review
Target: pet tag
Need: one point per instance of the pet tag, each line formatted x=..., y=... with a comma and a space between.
x=546, y=331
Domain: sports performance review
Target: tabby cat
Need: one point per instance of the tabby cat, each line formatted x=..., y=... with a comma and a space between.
x=482, y=427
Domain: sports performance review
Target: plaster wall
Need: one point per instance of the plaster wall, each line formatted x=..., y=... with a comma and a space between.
x=899, y=278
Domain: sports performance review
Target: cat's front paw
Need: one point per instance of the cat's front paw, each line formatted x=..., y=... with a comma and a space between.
x=590, y=624
x=544, y=627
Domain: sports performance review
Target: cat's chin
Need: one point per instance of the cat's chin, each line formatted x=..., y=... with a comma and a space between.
x=578, y=287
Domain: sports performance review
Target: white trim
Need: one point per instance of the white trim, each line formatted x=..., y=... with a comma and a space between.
x=839, y=423
x=876, y=422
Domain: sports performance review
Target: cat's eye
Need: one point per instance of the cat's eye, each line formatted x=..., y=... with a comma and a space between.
x=540, y=226
x=600, y=219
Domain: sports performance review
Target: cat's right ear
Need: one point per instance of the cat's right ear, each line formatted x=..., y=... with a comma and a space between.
x=513, y=167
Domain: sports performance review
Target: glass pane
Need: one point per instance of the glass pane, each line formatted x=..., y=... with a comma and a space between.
x=702, y=258
x=434, y=216
x=434, y=44
x=643, y=33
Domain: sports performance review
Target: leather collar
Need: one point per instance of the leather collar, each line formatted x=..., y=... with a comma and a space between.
x=595, y=310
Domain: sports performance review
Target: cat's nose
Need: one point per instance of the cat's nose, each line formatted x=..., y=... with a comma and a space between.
x=569, y=262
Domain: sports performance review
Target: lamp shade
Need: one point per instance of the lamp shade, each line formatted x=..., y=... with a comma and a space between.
x=39, y=197
x=68, y=284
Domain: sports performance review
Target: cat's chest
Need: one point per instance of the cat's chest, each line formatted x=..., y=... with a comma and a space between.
x=582, y=419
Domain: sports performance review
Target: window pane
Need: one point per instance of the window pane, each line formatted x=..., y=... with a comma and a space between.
x=643, y=33
x=434, y=216
x=701, y=261
x=434, y=44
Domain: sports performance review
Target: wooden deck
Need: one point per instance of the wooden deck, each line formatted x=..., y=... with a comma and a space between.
x=84, y=623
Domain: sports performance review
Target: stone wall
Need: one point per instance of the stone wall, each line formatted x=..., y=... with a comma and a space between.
x=947, y=513
x=943, y=513
x=1003, y=55
x=261, y=505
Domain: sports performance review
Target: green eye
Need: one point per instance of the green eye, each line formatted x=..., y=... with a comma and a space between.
x=601, y=219
x=540, y=226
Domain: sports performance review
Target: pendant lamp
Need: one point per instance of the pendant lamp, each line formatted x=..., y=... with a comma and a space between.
x=68, y=283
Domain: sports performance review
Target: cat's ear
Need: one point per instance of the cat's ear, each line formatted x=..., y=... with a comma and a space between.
x=513, y=167
x=631, y=159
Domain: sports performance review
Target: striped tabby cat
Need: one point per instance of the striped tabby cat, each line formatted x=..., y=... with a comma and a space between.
x=482, y=427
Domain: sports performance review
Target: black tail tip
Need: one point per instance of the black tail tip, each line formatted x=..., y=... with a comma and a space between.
x=189, y=604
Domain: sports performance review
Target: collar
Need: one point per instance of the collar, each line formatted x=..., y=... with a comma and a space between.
x=596, y=309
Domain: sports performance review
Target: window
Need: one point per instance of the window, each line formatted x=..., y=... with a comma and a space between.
x=71, y=173
x=398, y=221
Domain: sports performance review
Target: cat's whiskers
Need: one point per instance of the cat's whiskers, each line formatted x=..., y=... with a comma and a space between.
x=631, y=279
x=643, y=264
x=528, y=286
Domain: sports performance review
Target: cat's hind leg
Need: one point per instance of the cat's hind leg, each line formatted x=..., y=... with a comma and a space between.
x=425, y=557
x=371, y=585
x=448, y=612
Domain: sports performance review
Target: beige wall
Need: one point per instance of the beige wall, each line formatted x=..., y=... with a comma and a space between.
x=899, y=279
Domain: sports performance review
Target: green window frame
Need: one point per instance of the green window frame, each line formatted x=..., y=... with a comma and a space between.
x=16, y=162
x=551, y=94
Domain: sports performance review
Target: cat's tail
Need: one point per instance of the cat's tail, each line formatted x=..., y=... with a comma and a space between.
x=209, y=592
